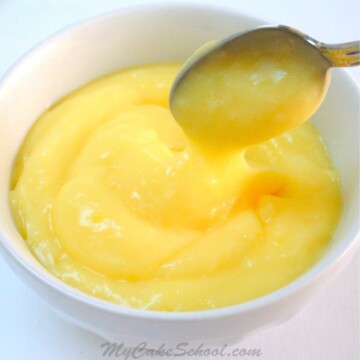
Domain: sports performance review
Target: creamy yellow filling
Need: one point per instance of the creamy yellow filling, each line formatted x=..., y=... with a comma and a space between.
x=112, y=198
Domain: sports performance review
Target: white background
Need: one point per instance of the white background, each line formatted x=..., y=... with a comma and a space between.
x=327, y=329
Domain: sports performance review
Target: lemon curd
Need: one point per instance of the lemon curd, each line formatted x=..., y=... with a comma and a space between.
x=112, y=198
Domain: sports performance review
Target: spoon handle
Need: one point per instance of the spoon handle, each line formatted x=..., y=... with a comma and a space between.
x=341, y=55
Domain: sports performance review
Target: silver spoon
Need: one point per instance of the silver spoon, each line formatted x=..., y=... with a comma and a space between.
x=318, y=56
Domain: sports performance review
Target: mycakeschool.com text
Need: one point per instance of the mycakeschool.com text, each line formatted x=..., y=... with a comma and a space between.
x=182, y=350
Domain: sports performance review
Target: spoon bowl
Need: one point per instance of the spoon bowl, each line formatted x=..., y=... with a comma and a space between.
x=254, y=85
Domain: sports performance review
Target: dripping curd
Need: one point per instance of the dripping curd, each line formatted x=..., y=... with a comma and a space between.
x=114, y=199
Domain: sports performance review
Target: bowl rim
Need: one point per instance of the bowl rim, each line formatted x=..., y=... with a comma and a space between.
x=312, y=275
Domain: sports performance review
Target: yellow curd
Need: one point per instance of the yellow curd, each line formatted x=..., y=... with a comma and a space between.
x=112, y=199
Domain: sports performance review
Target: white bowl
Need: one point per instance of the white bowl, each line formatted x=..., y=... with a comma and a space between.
x=137, y=35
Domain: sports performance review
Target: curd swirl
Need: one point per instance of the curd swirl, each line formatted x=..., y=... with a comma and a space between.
x=111, y=198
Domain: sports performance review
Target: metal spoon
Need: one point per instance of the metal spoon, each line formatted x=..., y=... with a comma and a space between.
x=317, y=56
